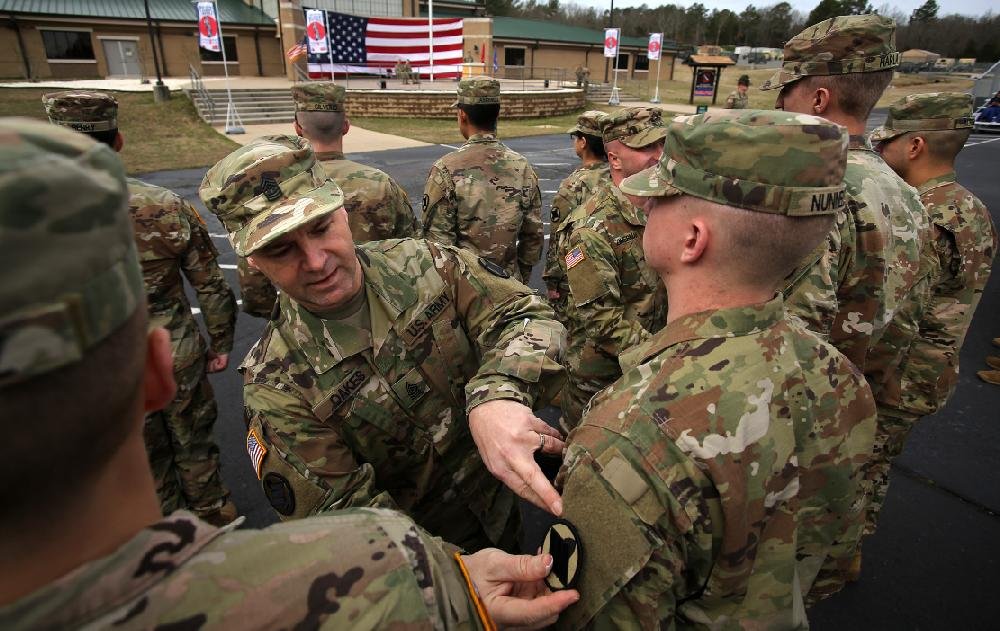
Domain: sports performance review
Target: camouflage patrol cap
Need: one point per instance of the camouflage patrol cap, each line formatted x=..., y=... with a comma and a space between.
x=589, y=123
x=478, y=91
x=268, y=188
x=634, y=127
x=71, y=275
x=325, y=96
x=743, y=80
x=933, y=111
x=842, y=45
x=762, y=160
x=82, y=110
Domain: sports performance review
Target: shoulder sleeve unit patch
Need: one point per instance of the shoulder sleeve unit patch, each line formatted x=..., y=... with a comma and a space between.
x=563, y=543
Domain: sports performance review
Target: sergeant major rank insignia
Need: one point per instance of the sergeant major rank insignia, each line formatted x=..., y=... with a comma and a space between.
x=269, y=188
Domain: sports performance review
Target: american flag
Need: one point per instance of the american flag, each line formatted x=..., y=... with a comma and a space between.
x=256, y=450
x=574, y=257
x=299, y=50
x=374, y=45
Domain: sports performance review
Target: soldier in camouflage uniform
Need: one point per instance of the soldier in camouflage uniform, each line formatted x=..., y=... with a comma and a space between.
x=387, y=365
x=484, y=197
x=716, y=479
x=738, y=99
x=82, y=538
x=865, y=288
x=377, y=207
x=614, y=299
x=173, y=242
x=579, y=186
x=920, y=141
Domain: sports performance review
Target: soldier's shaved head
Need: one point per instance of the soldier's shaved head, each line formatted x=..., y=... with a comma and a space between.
x=321, y=127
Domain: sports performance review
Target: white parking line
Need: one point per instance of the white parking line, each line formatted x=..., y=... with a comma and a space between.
x=196, y=310
x=218, y=236
x=551, y=164
x=226, y=266
x=982, y=142
x=556, y=191
x=449, y=146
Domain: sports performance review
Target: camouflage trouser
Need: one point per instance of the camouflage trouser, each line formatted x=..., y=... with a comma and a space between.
x=182, y=452
x=256, y=291
x=890, y=437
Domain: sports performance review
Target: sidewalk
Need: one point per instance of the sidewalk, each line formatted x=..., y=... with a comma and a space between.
x=357, y=139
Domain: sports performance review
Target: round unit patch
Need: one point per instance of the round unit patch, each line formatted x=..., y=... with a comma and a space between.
x=563, y=543
x=279, y=493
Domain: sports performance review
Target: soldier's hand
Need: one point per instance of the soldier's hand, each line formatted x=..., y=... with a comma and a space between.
x=512, y=588
x=553, y=294
x=507, y=435
x=217, y=362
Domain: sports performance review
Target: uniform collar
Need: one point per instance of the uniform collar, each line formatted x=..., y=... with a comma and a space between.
x=935, y=182
x=597, y=166
x=330, y=155
x=103, y=585
x=860, y=142
x=715, y=323
x=326, y=343
x=482, y=137
x=632, y=213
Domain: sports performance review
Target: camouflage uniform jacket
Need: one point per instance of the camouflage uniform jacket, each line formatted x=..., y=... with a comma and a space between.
x=712, y=482
x=856, y=282
x=485, y=198
x=964, y=243
x=737, y=101
x=358, y=569
x=573, y=192
x=615, y=300
x=377, y=208
x=357, y=418
x=172, y=240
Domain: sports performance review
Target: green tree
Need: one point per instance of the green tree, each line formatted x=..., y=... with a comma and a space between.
x=832, y=8
x=501, y=7
x=926, y=12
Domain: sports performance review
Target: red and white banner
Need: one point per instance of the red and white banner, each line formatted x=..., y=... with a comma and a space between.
x=655, y=46
x=208, y=27
x=374, y=45
x=316, y=31
x=611, y=36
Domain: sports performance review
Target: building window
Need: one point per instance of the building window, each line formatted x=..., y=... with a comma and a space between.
x=229, y=41
x=623, y=61
x=642, y=62
x=68, y=45
x=513, y=56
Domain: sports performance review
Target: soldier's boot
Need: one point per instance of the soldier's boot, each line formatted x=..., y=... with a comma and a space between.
x=990, y=376
x=993, y=362
x=222, y=516
x=854, y=572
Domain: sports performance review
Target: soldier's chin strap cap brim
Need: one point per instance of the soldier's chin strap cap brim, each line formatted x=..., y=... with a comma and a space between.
x=883, y=133
x=276, y=219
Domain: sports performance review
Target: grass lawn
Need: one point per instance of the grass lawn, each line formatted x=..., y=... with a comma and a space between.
x=157, y=136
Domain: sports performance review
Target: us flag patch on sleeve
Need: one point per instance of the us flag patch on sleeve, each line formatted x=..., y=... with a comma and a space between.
x=256, y=450
x=574, y=257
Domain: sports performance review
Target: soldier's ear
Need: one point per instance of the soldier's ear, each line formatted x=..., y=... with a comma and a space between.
x=347, y=126
x=252, y=264
x=916, y=146
x=119, y=142
x=821, y=101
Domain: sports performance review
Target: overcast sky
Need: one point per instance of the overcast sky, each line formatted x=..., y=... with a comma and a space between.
x=965, y=7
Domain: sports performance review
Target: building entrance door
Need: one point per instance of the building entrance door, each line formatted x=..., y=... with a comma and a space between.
x=123, y=57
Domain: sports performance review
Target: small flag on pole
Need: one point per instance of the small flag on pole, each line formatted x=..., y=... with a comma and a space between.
x=298, y=51
x=496, y=65
x=655, y=44
x=208, y=27
x=611, y=42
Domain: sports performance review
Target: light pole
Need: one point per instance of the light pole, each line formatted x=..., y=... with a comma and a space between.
x=160, y=92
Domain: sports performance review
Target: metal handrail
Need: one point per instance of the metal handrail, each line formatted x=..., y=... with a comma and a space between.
x=204, y=96
x=300, y=74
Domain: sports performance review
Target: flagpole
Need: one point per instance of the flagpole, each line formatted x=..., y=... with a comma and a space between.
x=659, y=62
x=614, y=100
x=233, y=123
x=329, y=46
x=430, y=24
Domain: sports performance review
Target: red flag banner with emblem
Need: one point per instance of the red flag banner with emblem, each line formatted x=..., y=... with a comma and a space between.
x=374, y=45
x=611, y=36
x=655, y=46
x=316, y=31
x=208, y=27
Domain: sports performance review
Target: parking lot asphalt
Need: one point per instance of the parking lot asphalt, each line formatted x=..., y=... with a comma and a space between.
x=934, y=562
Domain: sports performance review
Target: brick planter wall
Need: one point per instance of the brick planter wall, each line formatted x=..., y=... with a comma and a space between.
x=437, y=104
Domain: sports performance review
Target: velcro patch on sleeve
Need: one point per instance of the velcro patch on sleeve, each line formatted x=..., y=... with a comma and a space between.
x=574, y=257
x=256, y=450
